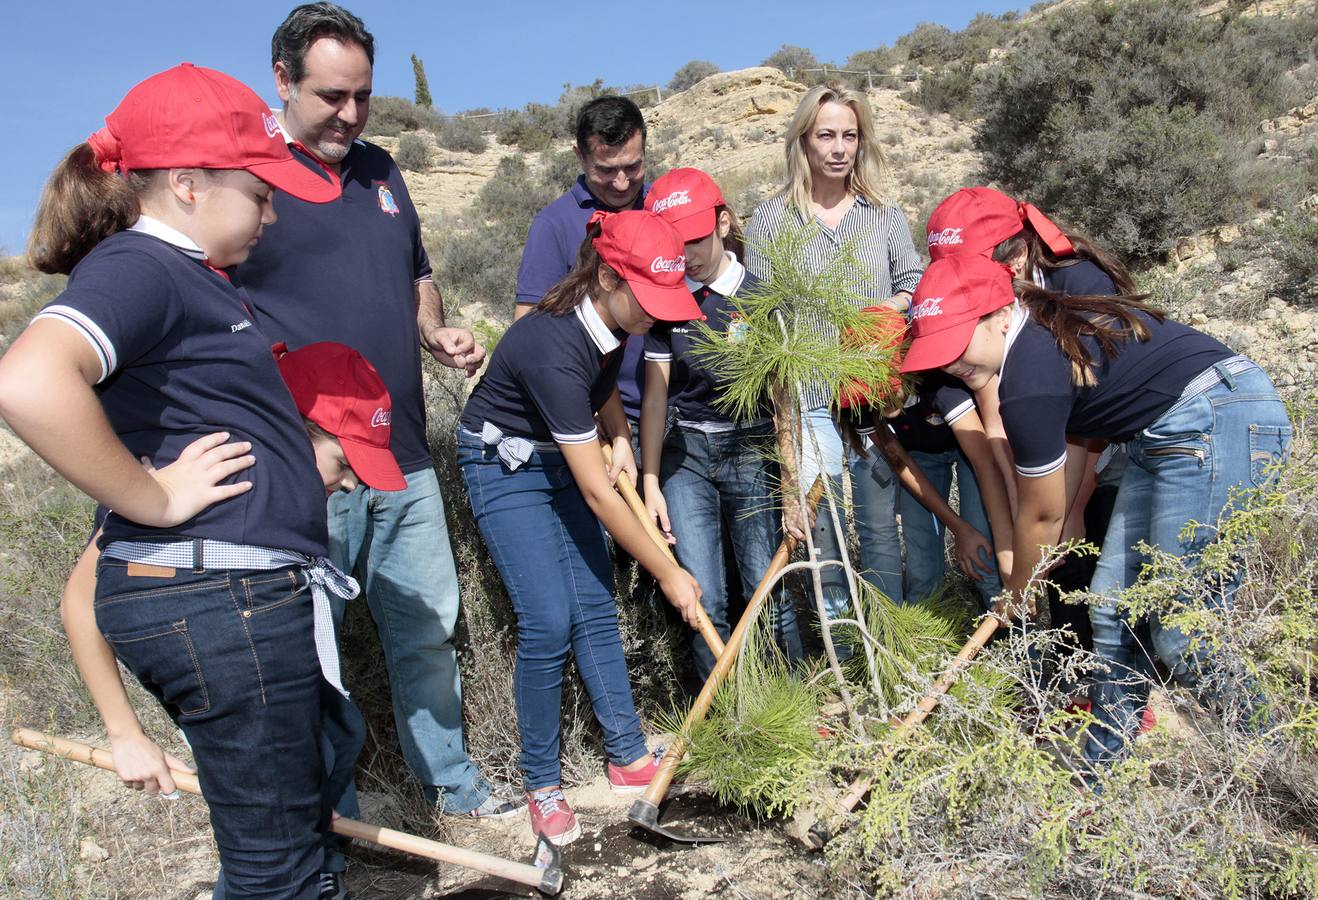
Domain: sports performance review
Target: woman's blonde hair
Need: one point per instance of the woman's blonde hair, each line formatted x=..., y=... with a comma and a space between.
x=866, y=175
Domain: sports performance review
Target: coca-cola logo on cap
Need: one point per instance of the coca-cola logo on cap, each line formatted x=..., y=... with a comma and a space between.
x=947, y=236
x=676, y=264
x=676, y=198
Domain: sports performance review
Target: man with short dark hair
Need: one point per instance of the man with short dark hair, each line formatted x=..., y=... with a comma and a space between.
x=611, y=149
x=355, y=271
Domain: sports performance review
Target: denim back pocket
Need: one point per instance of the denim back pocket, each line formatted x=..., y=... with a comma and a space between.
x=1269, y=447
x=164, y=659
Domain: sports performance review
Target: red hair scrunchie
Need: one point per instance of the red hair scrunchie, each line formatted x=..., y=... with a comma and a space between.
x=598, y=215
x=107, y=150
x=1049, y=233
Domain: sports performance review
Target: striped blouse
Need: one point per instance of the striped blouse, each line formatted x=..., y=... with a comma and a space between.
x=883, y=247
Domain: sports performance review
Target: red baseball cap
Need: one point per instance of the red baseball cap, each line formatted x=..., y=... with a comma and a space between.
x=952, y=296
x=686, y=199
x=334, y=386
x=884, y=332
x=647, y=252
x=976, y=220
x=190, y=116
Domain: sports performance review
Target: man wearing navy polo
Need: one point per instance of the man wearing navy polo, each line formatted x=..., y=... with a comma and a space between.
x=355, y=271
x=611, y=149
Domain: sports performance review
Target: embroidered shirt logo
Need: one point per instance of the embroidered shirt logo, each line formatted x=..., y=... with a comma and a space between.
x=676, y=264
x=271, y=125
x=387, y=202
x=381, y=418
x=676, y=198
x=947, y=237
x=929, y=306
x=245, y=323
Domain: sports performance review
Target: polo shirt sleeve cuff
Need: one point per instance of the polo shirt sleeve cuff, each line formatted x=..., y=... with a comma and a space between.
x=585, y=437
x=655, y=356
x=1040, y=471
x=423, y=278
x=98, y=339
x=959, y=410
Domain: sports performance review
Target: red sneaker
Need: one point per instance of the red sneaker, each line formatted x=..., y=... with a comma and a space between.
x=621, y=781
x=1148, y=721
x=552, y=818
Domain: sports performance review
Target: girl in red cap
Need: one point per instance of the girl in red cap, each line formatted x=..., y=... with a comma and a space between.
x=709, y=472
x=202, y=583
x=535, y=473
x=1200, y=424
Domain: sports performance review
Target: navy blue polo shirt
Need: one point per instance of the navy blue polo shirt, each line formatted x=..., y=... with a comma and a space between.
x=346, y=271
x=1040, y=406
x=551, y=250
x=548, y=377
x=1080, y=278
x=924, y=424
x=180, y=359
x=692, y=387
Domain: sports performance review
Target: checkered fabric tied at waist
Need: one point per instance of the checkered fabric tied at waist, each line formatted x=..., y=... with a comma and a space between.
x=322, y=575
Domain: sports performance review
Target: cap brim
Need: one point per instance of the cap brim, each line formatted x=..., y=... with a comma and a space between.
x=695, y=227
x=933, y=351
x=667, y=304
x=296, y=180
x=375, y=467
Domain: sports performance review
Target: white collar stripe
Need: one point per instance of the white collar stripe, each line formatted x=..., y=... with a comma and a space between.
x=170, y=235
x=600, y=334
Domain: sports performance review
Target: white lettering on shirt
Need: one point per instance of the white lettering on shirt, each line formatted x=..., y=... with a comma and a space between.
x=245, y=323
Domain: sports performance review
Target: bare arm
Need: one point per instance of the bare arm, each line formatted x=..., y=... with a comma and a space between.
x=614, y=419
x=654, y=413
x=586, y=462
x=521, y=309
x=1081, y=477
x=986, y=403
x=974, y=442
x=452, y=347
x=138, y=760
x=1038, y=525
x=46, y=396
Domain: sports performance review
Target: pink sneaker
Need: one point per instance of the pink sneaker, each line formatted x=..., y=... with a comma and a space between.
x=622, y=781
x=1148, y=721
x=552, y=818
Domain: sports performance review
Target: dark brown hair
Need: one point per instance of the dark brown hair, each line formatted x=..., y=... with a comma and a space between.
x=736, y=239
x=80, y=207
x=1110, y=321
x=1037, y=255
x=565, y=296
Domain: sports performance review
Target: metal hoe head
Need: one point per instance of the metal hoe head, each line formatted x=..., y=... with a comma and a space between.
x=545, y=858
x=645, y=814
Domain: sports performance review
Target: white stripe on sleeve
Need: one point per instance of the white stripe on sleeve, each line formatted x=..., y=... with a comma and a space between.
x=584, y=438
x=88, y=329
x=1040, y=471
x=959, y=410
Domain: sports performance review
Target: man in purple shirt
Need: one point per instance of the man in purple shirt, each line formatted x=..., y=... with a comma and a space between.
x=611, y=149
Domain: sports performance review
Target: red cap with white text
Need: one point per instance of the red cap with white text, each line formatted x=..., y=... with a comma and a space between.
x=189, y=116
x=976, y=220
x=647, y=253
x=952, y=296
x=334, y=386
x=686, y=199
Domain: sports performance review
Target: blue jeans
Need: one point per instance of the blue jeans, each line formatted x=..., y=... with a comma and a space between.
x=398, y=542
x=230, y=656
x=926, y=553
x=874, y=505
x=1182, y=468
x=551, y=552
x=721, y=481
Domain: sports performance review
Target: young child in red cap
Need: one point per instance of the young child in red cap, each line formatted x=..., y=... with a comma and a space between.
x=710, y=474
x=149, y=353
x=540, y=490
x=346, y=410
x=1201, y=425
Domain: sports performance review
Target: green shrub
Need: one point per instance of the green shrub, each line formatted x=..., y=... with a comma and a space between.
x=462, y=135
x=413, y=154
x=929, y=44
x=692, y=74
x=560, y=170
x=789, y=57
x=1128, y=120
x=391, y=116
x=532, y=128
x=947, y=90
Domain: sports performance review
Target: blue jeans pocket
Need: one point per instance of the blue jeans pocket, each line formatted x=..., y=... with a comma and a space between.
x=165, y=656
x=262, y=593
x=1269, y=446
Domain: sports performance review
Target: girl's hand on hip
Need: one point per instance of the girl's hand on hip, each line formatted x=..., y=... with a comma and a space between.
x=683, y=591
x=192, y=482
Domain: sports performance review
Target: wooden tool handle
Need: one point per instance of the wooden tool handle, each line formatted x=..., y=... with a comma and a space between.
x=385, y=837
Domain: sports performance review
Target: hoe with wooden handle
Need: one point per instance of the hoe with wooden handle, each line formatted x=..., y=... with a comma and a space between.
x=645, y=811
x=637, y=505
x=819, y=833
x=545, y=875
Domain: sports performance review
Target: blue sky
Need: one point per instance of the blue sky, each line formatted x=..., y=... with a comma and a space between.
x=67, y=64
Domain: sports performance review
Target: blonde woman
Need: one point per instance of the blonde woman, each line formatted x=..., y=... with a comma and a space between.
x=833, y=187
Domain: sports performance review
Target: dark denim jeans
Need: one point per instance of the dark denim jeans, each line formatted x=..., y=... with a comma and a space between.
x=721, y=481
x=550, y=550
x=230, y=655
x=1188, y=466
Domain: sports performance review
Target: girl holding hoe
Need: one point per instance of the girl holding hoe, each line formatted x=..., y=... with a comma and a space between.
x=202, y=586
x=529, y=450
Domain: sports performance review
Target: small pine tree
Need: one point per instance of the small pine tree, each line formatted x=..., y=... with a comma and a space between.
x=422, y=86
